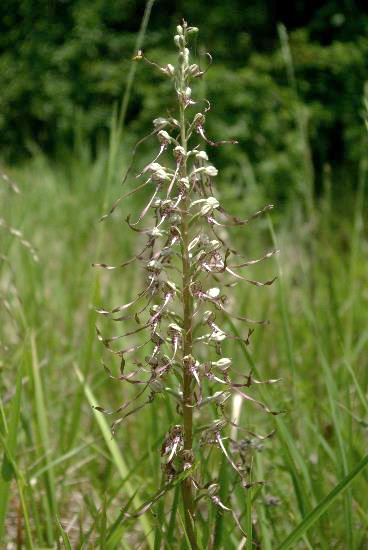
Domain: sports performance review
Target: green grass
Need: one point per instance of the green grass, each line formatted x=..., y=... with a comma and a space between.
x=62, y=476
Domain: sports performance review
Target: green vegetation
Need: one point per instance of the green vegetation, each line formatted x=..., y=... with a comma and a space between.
x=64, y=482
x=64, y=66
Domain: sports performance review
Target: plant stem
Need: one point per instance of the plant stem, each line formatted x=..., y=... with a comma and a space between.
x=187, y=344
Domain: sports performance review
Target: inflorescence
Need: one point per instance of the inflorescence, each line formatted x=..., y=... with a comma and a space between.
x=188, y=266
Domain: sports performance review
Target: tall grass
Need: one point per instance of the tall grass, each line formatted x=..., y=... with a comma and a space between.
x=302, y=465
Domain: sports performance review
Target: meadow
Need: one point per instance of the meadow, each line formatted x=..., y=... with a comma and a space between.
x=65, y=481
x=60, y=460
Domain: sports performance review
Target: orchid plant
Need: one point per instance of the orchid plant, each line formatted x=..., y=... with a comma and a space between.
x=188, y=264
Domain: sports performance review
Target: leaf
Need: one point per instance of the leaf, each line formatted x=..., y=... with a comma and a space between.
x=64, y=534
x=10, y=443
x=115, y=454
x=323, y=506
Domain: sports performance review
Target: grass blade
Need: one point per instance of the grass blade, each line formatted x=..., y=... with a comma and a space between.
x=131, y=74
x=63, y=534
x=171, y=529
x=219, y=518
x=116, y=455
x=313, y=516
x=43, y=438
x=10, y=439
x=263, y=523
x=18, y=474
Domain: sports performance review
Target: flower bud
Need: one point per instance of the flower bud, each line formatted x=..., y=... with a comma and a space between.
x=169, y=287
x=163, y=137
x=193, y=243
x=169, y=70
x=213, y=489
x=179, y=153
x=158, y=172
x=174, y=331
x=194, y=70
x=156, y=232
x=160, y=176
x=213, y=245
x=221, y=396
x=184, y=56
x=213, y=292
x=160, y=122
x=153, y=266
x=199, y=119
x=157, y=203
x=208, y=317
x=184, y=96
x=210, y=204
x=157, y=339
x=189, y=361
x=211, y=171
x=222, y=364
x=218, y=336
x=156, y=386
x=184, y=183
x=201, y=155
x=154, y=166
x=166, y=207
x=138, y=56
x=165, y=252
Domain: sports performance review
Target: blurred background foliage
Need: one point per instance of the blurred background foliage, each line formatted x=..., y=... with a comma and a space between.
x=64, y=64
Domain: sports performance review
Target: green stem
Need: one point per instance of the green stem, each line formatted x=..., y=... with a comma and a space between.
x=187, y=336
